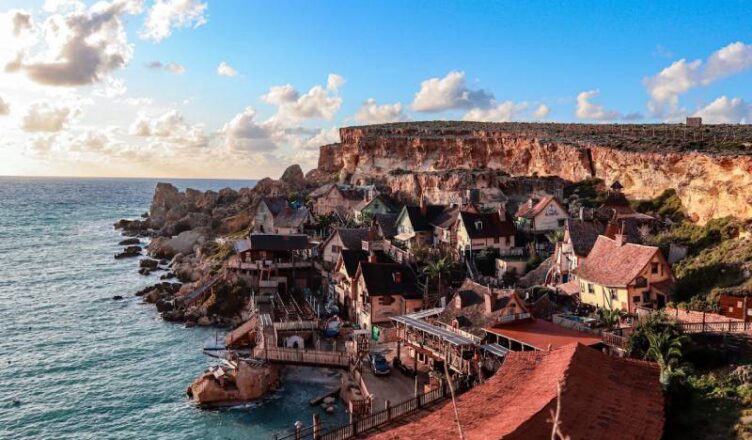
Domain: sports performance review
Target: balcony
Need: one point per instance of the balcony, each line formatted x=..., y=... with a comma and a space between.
x=268, y=265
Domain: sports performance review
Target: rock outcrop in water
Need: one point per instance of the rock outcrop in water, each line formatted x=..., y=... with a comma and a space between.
x=710, y=167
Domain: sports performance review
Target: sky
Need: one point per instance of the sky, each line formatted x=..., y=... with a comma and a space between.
x=242, y=89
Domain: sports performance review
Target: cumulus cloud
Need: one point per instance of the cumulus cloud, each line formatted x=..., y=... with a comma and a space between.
x=63, y=5
x=503, y=112
x=170, y=127
x=323, y=137
x=726, y=111
x=176, y=68
x=41, y=145
x=319, y=102
x=542, y=111
x=372, y=113
x=334, y=82
x=111, y=88
x=4, y=107
x=586, y=109
x=45, y=117
x=243, y=134
x=450, y=92
x=225, y=69
x=669, y=84
x=82, y=46
x=165, y=15
x=21, y=22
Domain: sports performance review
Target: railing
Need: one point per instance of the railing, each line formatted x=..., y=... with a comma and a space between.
x=514, y=317
x=259, y=265
x=614, y=340
x=303, y=357
x=377, y=419
x=296, y=325
x=715, y=327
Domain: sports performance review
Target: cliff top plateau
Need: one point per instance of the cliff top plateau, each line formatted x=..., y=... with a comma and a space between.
x=714, y=139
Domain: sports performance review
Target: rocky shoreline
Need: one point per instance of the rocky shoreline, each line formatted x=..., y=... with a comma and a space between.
x=181, y=237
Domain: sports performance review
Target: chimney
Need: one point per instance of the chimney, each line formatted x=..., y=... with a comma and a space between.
x=489, y=301
x=372, y=258
x=620, y=239
x=457, y=301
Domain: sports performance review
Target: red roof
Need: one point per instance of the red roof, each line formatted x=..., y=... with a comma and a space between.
x=542, y=334
x=527, y=211
x=610, y=264
x=602, y=397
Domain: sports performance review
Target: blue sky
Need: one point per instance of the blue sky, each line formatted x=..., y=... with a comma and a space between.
x=493, y=61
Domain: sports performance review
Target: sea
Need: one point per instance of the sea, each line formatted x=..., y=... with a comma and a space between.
x=76, y=364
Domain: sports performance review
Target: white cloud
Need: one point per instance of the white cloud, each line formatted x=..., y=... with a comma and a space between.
x=323, y=137
x=669, y=84
x=225, y=69
x=111, y=88
x=503, y=112
x=169, y=128
x=244, y=135
x=41, y=145
x=588, y=110
x=176, y=68
x=45, y=117
x=82, y=47
x=334, y=82
x=450, y=92
x=542, y=111
x=372, y=113
x=165, y=15
x=4, y=107
x=63, y=5
x=726, y=111
x=318, y=102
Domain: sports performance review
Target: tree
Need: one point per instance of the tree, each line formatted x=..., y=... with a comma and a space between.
x=555, y=236
x=609, y=318
x=434, y=270
x=666, y=350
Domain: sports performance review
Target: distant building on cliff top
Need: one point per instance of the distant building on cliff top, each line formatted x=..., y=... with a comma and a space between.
x=602, y=397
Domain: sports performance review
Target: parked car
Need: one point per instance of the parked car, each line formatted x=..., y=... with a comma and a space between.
x=379, y=365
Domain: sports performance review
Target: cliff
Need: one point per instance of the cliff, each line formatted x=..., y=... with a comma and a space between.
x=710, y=167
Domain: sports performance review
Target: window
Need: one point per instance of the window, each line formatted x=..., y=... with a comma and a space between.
x=654, y=268
x=612, y=293
x=646, y=296
x=496, y=240
x=336, y=249
x=478, y=224
x=590, y=288
x=636, y=299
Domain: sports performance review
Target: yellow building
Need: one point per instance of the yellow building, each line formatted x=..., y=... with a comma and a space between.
x=624, y=276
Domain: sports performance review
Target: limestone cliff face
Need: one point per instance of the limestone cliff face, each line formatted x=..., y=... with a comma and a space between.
x=439, y=157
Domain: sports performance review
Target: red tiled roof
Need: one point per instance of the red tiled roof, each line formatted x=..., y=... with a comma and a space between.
x=569, y=288
x=542, y=334
x=609, y=264
x=602, y=397
x=526, y=211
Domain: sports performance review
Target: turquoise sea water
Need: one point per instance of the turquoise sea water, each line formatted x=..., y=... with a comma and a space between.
x=74, y=364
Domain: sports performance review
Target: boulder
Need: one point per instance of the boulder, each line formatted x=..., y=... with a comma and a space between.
x=130, y=241
x=204, y=321
x=164, y=305
x=117, y=298
x=167, y=276
x=293, y=177
x=144, y=271
x=166, y=197
x=183, y=243
x=148, y=263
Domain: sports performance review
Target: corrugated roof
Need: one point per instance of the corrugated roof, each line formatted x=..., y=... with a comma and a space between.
x=542, y=334
x=448, y=336
x=291, y=217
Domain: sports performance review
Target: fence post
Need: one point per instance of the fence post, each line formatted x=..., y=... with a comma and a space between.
x=298, y=426
x=388, y=408
x=316, y=427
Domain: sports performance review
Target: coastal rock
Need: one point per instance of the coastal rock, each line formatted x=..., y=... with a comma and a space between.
x=166, y=197
x=183, y=243
x=148, y=263
x=164, y=305
x=130, y=251
x=130, y=241
x=117, y=298
x=293, y=177
x=204, y=321
x=144, y=271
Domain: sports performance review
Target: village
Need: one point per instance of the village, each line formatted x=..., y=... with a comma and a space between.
x=435, y=312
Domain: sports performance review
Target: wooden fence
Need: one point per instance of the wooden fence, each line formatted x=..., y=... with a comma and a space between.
x=614, y=340
x=303, y=357
x=375, y=420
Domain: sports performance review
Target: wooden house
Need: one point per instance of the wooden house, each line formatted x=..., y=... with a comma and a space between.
x=542, y=215
x=384, y=290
